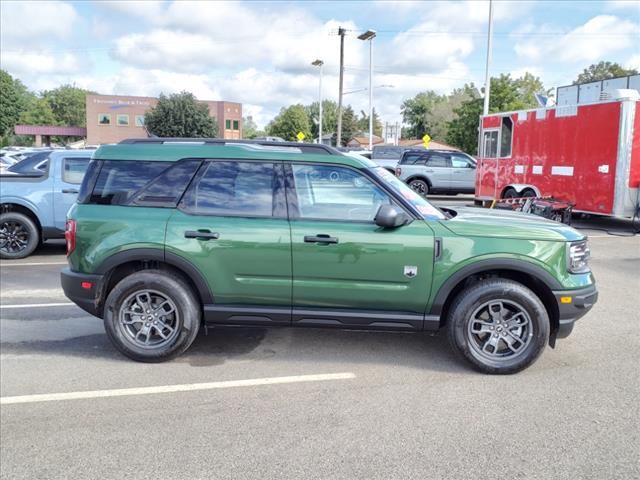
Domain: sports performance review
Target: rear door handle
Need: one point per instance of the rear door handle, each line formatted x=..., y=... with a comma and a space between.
x=69, y=190
x=202, y=234
x=320, y=238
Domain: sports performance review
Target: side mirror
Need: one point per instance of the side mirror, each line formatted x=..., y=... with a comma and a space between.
x=390, y=216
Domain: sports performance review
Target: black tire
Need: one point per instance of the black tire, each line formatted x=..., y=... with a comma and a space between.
x=510, y=193
x=528, y=193
x=466, y=314
x=19, y=236
x=419, y=186
x=184, y=324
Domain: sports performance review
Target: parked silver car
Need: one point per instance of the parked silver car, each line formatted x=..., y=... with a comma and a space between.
x=437, y=171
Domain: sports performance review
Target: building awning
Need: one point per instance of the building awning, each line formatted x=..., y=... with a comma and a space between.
x=50, y=130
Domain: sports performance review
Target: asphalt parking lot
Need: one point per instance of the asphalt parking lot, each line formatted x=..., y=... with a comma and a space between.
x=358, y=405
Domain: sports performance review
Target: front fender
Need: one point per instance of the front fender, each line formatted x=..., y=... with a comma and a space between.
x=515, y=263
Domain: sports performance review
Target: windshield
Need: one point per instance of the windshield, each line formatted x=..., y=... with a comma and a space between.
x=428, y=211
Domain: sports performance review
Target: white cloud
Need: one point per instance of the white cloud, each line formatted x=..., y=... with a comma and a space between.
x=33, y=64
x=150, y=10
x=34, y=23
x=633, y=62
x=624, y=4
x=598, y=37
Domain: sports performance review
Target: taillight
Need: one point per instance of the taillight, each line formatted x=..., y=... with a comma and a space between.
x=70, y=236
x=398, y=171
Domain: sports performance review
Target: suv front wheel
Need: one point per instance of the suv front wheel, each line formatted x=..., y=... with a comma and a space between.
x=499, y=326
x=152, y=316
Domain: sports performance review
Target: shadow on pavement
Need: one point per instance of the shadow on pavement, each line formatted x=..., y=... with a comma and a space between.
x=285, y=345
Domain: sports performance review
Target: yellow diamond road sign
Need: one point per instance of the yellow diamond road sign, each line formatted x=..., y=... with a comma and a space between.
x=426, y=139
x=300, y=136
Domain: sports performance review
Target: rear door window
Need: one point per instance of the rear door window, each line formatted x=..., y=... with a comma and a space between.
x=73, y=169
x=438, y=160
x=238, y=189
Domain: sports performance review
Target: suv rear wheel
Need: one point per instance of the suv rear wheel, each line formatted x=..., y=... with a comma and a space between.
x=419, y=186
x=152, y=316
x=499, y=326
x=18, y=235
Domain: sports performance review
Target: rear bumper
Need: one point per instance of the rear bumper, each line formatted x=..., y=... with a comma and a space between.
x=84, y=296
x=581, y=302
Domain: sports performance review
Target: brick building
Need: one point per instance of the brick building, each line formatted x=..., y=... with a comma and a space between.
x=111, y=118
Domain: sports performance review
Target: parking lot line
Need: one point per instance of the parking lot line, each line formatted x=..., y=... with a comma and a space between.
x=37, y=305
x=29, y=264
x=189, y=387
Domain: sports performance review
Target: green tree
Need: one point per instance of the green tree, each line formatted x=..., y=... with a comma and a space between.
x=349, y=126
x=363, y=123
x=250, y=128
x=462, y=131
x=38, y=113
x=603, y=71
x=12, y=102
x=68, y=104
x=329, y=117
x=417, y=113
x=289, y=122
x=180, y=115
x=506, y=94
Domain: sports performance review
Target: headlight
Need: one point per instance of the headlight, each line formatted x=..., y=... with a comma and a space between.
x=578, y=255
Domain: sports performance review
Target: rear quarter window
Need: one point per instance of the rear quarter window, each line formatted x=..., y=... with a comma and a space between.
x=143, y=183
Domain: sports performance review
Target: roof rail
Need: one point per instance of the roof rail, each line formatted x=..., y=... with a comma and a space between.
x=316, y=148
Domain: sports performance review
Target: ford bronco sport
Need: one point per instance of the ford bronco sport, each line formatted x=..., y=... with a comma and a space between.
x=168, y=236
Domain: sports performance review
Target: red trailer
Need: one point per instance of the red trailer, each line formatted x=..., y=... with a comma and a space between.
x=585, y=154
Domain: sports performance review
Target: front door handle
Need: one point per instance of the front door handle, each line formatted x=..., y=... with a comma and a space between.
x=70, y=190
x=320, y=238
x=202, y=234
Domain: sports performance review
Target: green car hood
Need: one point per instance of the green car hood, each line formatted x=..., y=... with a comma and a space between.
x=484, y=222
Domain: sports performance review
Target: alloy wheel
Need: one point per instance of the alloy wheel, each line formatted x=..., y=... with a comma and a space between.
x=499, y=330
x=14, y=237
x=149, y=319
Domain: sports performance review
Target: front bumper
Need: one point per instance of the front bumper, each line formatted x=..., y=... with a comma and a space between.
x=580, y=303
x=76, y=287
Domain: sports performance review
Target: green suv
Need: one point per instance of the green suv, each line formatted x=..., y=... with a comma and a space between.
x=167, y=237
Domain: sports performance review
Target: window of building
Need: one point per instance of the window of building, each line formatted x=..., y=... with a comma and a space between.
x=227, y=124
x=336, y=193
x=123, y=120
x=233, y=189
x=104, y=119
x=139, y=120
x=236, y=125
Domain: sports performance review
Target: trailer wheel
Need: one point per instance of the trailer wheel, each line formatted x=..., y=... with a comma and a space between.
x=509, y=193
x=528, y=193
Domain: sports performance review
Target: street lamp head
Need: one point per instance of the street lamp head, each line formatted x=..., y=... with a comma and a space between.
x=317, y=63
x=368, y=35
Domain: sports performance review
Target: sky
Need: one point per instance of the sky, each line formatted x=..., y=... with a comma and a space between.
x=259, y=53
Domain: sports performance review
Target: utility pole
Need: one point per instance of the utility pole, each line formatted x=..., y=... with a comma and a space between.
x=319, y=63
x=487, y=78
x=341, y=32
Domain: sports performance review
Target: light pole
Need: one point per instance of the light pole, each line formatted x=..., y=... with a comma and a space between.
x=319, y=63
x=487, y=77
x=370, y=35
